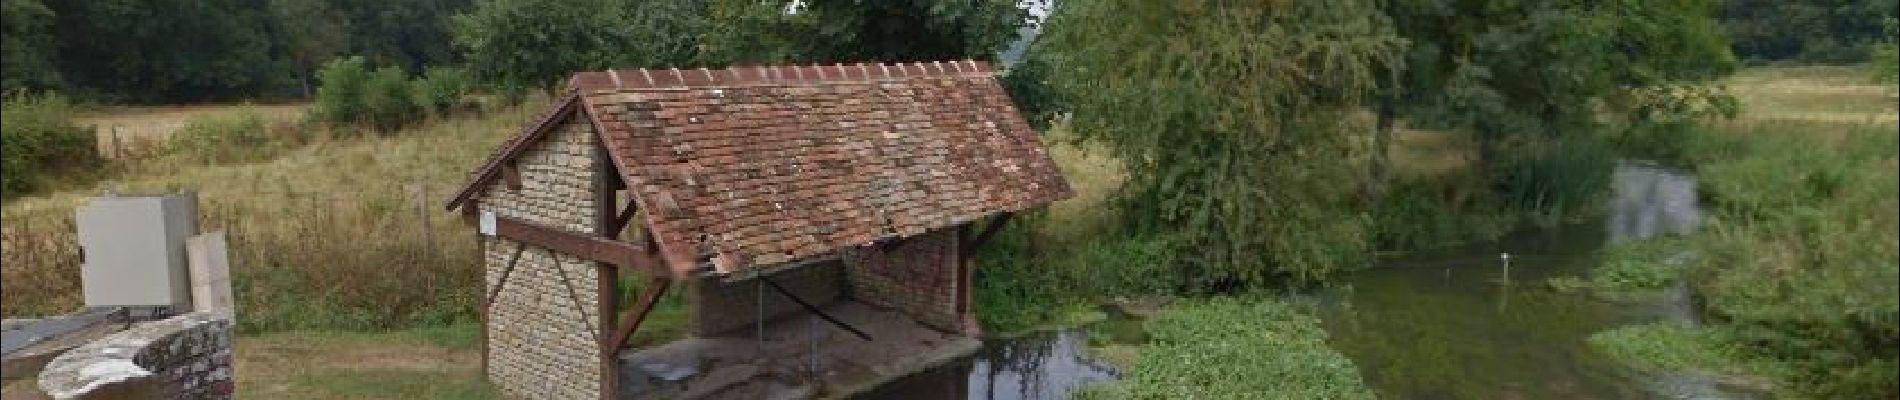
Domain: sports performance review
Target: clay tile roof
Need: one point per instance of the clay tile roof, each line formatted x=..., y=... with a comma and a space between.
x=755, y=166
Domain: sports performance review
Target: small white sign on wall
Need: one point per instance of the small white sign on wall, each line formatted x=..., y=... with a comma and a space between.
x=488, y=223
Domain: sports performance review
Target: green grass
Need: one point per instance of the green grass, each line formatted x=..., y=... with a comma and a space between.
x=1666, y=346
x=438, y=362
x=1236, y=348
x=1639, y=265
x=1795, y=263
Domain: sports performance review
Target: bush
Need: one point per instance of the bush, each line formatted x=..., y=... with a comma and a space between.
x=389, y=102
x=341, y=88
x=38, y=140
x=441, y=90
x=235, y=138
x=1226, y=348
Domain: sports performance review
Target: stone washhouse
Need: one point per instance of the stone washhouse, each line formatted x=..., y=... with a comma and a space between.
x=819, y=221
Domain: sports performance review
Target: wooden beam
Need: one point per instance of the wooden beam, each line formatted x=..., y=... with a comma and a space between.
x=512, y=175
x=585, y=246
x=503, y=281
x=606, y=276
x=996, y=225
x=630, y=320
x=626, y=216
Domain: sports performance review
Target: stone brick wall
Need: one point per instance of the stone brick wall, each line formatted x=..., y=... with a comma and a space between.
x=918, y=277
x=542, y=326
x=718, y=307
x=183, y=357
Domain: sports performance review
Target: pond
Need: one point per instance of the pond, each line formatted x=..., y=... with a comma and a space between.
x=1042, y=365
x=1457, y=324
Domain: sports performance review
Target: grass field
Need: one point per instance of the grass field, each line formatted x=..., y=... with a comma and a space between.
x=124, y=129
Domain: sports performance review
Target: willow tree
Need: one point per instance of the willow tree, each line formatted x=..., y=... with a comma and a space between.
x=1232, y=121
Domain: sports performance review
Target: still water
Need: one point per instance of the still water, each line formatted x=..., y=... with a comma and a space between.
x=1448, y=325
x=1045, y=365
x=1438, y=325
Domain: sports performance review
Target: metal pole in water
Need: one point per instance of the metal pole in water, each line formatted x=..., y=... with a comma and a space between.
x=1507, y=266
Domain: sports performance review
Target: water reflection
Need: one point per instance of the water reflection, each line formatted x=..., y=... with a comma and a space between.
x=1447, y=325
x=1048, y=365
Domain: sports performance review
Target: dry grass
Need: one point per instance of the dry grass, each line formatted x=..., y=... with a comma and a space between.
x=140, y=126
x=337, y=234
x=436, y=363
x=1844, y=94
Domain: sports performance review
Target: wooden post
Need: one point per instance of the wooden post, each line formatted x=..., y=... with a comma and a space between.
x=607, y=275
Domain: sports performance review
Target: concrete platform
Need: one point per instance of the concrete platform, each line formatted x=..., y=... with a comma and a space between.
x=801, y=356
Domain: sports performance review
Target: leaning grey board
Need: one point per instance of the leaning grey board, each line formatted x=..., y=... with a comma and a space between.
x=52, y=327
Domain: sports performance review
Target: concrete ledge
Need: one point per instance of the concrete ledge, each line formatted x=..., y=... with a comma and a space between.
x=183, y=357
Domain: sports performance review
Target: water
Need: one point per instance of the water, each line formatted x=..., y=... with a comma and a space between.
x=1446, y=325
x=1047, y=365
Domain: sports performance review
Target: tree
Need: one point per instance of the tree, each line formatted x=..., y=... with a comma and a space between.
x=411, y=34
x=520, y=44
x=1510, y=68
x=1231, y=119
x=311, y=33
x=167, y=50
x=1829, y=31
x=27, y=58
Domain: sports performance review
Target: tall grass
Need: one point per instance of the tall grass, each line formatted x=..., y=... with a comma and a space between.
x=1796, y=262
x=1799, y=255
x=333, y=234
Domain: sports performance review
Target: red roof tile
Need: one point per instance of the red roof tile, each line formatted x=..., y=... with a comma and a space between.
x=754, y=166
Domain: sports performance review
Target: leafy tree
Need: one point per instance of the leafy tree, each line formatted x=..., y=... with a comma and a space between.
x=166, y=50
x=1227, y=117
x=1519, y=72
x=26, y=49
x=1830, y=31
x=411, y=34
x=312, y=32
x=521, y=44
x=749, y=31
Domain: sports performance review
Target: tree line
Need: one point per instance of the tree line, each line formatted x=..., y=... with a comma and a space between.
x=170, y=51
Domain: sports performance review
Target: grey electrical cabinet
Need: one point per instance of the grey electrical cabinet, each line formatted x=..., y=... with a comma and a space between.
x=133, y=251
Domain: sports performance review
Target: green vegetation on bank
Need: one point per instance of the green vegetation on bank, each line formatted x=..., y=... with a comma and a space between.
x=1795, y=263
x=1234, y=348
x=1671, y=347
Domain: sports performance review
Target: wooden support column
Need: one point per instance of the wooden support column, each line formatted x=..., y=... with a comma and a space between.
x=606, y=275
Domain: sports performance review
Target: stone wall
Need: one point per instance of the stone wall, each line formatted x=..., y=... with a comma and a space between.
x=718, y=307
x=542, y=328
x=183, y=357
x=917, y=276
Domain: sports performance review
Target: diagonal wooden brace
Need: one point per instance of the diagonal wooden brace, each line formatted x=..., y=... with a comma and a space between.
x=630, y=319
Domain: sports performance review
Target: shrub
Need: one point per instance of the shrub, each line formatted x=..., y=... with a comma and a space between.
x=342, y=86
x=389, y=102
x=222, y=139
x=38, y=140
x=1226, y=348
x=441, y=90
